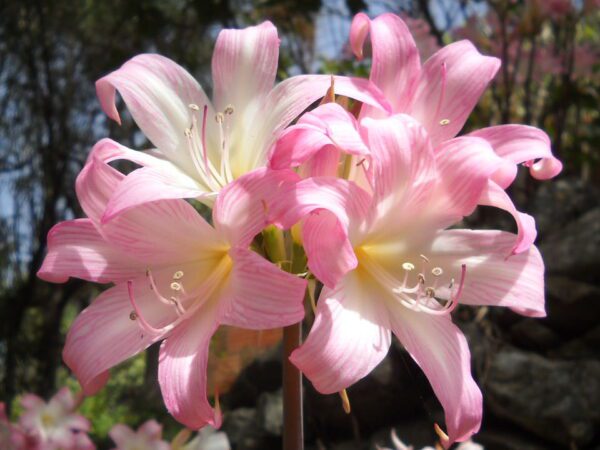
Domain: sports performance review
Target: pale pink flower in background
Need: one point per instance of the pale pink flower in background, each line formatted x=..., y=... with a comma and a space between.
x=12, y=437
x=208, y=439
x=147, y=437
x=55, y=425
x=556, y=9
x=399, y=445
x=590, y=6
x=388, y=265
x=177, y=278
x=201, y=145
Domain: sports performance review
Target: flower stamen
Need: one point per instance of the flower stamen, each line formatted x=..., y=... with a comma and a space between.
x=207, y=288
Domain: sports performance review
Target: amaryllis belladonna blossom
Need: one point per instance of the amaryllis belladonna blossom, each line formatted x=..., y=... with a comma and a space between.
x=148, y=437
x=176, y=278
x=441, y=94
x=54, y=425
x=202, y=145
x=389, y=265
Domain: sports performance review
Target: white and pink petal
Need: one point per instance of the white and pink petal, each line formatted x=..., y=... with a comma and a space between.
x=492, y=278
x=243, y=208
x=158, y=93
x=396, y=65
x=76, y=249
x=521, y=144
x=349, y=337
x=261, y=295
x=451, y=82
x=442, y=352
x=494, y=195
x=244, y=65
x=182, y=369
x=107, y=333
x=150, y=184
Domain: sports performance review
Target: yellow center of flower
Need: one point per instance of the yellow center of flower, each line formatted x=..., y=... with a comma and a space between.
x=174, y=294
x=47, y=419
x=416, y=289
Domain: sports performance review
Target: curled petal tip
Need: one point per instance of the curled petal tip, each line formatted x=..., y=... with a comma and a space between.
x=358, y=33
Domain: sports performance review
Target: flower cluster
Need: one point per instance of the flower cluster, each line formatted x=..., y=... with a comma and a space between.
x=46, y=426
x=370, y=194
x=54, y=425
x=149, y=437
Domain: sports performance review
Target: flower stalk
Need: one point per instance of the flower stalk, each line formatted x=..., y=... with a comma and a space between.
x=293, y=436
x=276, y=249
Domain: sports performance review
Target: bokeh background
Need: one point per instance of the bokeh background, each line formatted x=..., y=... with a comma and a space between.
x=540, y=378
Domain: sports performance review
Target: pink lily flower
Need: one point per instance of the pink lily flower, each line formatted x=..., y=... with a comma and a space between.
x=54, y=425
x=176, y=278
x=389, y=265
x=201, y=145
x=321, y=136
x=441, y=94
x=148, y=437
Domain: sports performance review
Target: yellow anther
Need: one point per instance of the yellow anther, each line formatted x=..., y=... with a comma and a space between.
x=228, y=110
x=219, y=117
x=188, y=132
x=175, y=286
x=178, y=275
x=424, y=258
x=345, y=401
x=437, y=271
x=408, y=266
x=443, y=436
x=444, y=122
x=330, y=93
x=194, y=107
x=180, y=439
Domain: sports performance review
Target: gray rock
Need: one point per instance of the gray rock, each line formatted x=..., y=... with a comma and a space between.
x=270, y=412
x=573, y=306
x=244, y=431
x=262, y=375
x=395, y=390
x=557, y=202
x=532, y=334
x=556, y=400
x=584, y=347
x=573, y=251
x=503, y=438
